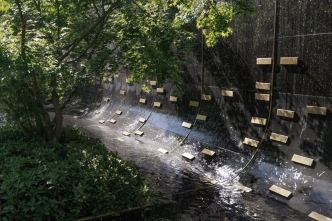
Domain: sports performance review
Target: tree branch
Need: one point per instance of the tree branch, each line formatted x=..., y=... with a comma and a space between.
x=23, y=27
x=88, y=32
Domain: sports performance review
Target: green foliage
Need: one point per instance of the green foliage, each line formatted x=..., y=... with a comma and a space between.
x=64, y=181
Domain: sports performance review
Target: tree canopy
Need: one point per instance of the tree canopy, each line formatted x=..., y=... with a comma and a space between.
x=49, y=49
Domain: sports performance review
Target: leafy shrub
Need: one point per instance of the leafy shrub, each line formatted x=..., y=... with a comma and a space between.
x=52, y=181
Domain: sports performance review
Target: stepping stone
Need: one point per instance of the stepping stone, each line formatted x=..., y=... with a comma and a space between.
x=157, y=104
x=120, y=139
x=160, y=90
x=126, y=133
x=319, y=217
x=97, y=112
x=187, y=125
x=208, y=152
x=139, y=133
x=142, y=101
x=106, y=99
x=251, y=142
x=153, y=83
x=263, y=86
x=101, y=121
x=193, y=104
x=112, y=121
x=241, y=187
x=258, y=120
x=289, y=60
x=201, y=117
x=264, y=61
x=161, y=150
x=173, y=99
x=279, y=138
x=280, y=191
x=285, y=113
x=118, y=112
x=142, y=120
x=188, y=156
x=122, y=92
x=227, y=93
x=262, y=97
x=97, y=104
x=316, y=110
x=302, y=160
x=206, y=97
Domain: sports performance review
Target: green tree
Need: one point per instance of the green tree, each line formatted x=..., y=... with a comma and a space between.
x=49, y=49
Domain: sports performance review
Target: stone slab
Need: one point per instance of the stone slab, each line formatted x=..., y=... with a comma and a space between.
x=173, y=99
x=142, y=100
x=264, y=61
x=160, y=90
x=139, y=133
x=281, y=191
x=161, y=150
x=262, y=97
x=263, y=86
x=201, y=117
x=188, y=156
x=208, y=152
x=258, y=120
x=279, y=137
x=142, y=120
x=285, y=113
x=319, y=217
x=193, y=104
x=302, y=160
x=157, y=104
x=206, y=97
x=227, y=93
x=316, y=110
x=187, y=125
x=289, y=60
x=251, y=142
x=118, y=112
x=242, y=187
x=125, y=133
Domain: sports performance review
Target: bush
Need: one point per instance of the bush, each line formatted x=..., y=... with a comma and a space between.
x=76, y=178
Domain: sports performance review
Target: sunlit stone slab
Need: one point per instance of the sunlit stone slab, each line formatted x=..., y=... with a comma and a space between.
x=97, y=104
x=227, y=93
x=319, y=217
x=316, y=110
x=153, y=83
x=126, y=133
x=157, y=104
x=101, y=121
x=302, y=160
x=208, y=152
x=142, y=120
x=264, y=61
x=106, y=99
x=280, y=191
x=188, y=156
x=201, y=117
x=263, y=86
x=160, y=90
x=139, y=133
x=206, y=97
x=110, y=79
x=251, y=142
x=242, y=187
x=120, y=139
x=118, y=112
x=289, y=60
x=193, y=104
x=279, y=137
x=187, y=125
x=258, y=120
x=122, y=92
x=161, y=150
x=285, y=113
x=142, y=101
x=97, y=112
x=173, y=99
x=262, y=97
x=112, y=121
